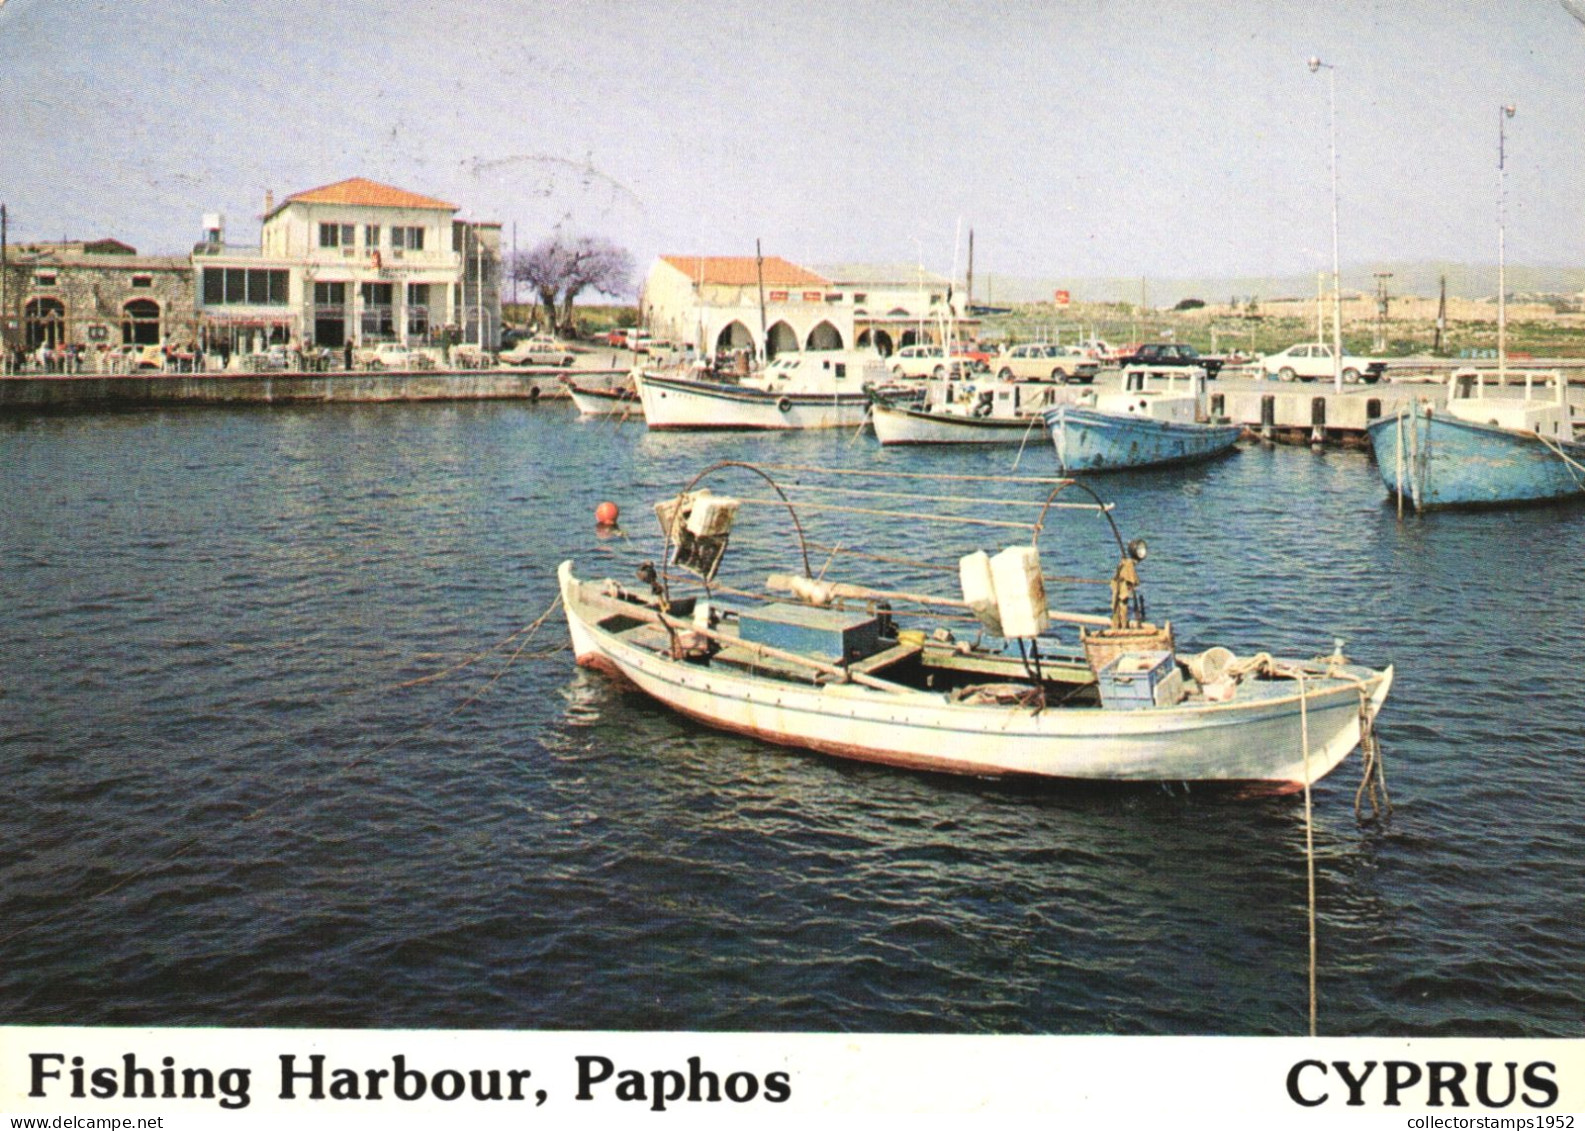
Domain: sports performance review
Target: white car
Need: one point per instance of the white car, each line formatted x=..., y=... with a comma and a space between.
x=918, y=361
x=386, y=355
x=1043, y=362
x=1312, y=361
x=538, y=351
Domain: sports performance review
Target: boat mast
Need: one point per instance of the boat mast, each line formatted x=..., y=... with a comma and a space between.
x=759, y=276
x=1503, y=114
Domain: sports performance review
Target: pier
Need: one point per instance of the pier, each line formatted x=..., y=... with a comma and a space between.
x=65, y=392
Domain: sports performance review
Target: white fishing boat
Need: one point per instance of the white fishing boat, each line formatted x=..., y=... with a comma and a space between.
x=985, y=411
x=806, y=389
x=595, y=400
x=1139, y=425
x=970, y=683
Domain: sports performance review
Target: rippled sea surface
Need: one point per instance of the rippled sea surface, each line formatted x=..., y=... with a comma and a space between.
x=252, y=777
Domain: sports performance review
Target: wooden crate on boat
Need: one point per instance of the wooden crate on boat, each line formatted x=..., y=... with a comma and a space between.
x=834, y=635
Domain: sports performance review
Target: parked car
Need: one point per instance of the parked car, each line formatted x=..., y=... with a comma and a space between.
x=1172, y=355
x=1042, y=362
x=386, y=355
x=929, y=360
x=538, y=350
x=918, y=361
x=1312, y=361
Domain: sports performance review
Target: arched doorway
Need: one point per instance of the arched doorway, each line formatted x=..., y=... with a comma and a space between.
x=824, y=337
x=781, y=338
x=44, y=322
x=140, y=323
x=880, y=340
x=734, y=336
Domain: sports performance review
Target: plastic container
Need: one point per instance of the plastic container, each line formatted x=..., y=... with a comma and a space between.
x=1020, y=592
x=979, y=590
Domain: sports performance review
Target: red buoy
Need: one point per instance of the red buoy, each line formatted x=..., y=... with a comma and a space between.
x=606, y=514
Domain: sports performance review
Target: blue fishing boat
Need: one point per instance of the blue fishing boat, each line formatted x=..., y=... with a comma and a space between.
x=1482, y=447
x=1138, y=426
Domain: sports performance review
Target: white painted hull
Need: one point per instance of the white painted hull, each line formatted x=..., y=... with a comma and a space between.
x=1256, y=743
x=913, y=426
x=603, y=402
x=675, y=403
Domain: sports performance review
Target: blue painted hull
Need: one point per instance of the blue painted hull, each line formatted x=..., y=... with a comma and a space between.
x=1089, y=440
x=1456, y=463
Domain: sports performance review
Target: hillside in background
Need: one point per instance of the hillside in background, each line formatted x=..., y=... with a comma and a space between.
x=1464, y=280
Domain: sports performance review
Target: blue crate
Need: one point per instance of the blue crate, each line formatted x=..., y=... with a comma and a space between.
x=1135, y=680
x=834, y=635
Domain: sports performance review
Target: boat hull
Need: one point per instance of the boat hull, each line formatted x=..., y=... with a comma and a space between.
x=673, y=403
x=1258, y=744
x=602, y=402
x=894, y=425
x=1088, y=439
x=1438, y=462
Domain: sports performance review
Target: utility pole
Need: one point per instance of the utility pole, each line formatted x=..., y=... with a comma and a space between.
x=1381, y=309
x=1441, y=317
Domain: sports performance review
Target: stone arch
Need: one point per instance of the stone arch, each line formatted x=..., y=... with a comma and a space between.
x=140, y=323
x=734, y=336
x=824, y=337
x=909, y=338
x=45, y=322
x=780, y=338
x=879, y=339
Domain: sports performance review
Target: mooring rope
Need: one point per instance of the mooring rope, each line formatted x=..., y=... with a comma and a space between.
x=1575, y=468
x=1309, y=833
x=192, y=842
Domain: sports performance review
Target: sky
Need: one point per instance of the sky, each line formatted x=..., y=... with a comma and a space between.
x=1076, y=138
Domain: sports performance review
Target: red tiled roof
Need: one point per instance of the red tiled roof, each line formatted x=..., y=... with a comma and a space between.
x=741, y=270
x=367, y=194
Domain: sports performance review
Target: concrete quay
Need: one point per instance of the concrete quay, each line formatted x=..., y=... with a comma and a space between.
x=1312, y=412
x=65, y=392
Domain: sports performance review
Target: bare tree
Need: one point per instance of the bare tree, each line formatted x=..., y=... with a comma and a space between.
x=561, y=268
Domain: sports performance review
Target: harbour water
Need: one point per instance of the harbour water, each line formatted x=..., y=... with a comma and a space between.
x=253, y=779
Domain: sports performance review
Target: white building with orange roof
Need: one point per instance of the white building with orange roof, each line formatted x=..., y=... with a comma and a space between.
x=771, y=305
x=355, y=262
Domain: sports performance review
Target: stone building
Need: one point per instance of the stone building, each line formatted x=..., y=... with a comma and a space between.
x=770, y=305
x=95, y=294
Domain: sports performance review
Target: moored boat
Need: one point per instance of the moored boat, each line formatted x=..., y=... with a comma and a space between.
x=806, y=389
x=967, y=412
x=1483, y=446
x=592, y=400
x=846, y=669
x=1139, y=426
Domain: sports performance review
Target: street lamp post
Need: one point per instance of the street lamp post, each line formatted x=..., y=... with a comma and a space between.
x=1503, y=114
x=1337, y=287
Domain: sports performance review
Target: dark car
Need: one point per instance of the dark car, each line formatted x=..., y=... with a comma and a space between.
x=1172, y=355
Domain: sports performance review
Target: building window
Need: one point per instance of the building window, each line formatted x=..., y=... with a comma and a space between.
x=44, y=279
x=330, y=294
x=410, y=238
x=371, y=236
x=239, y=286
x=329, y=235
x=142, y=282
